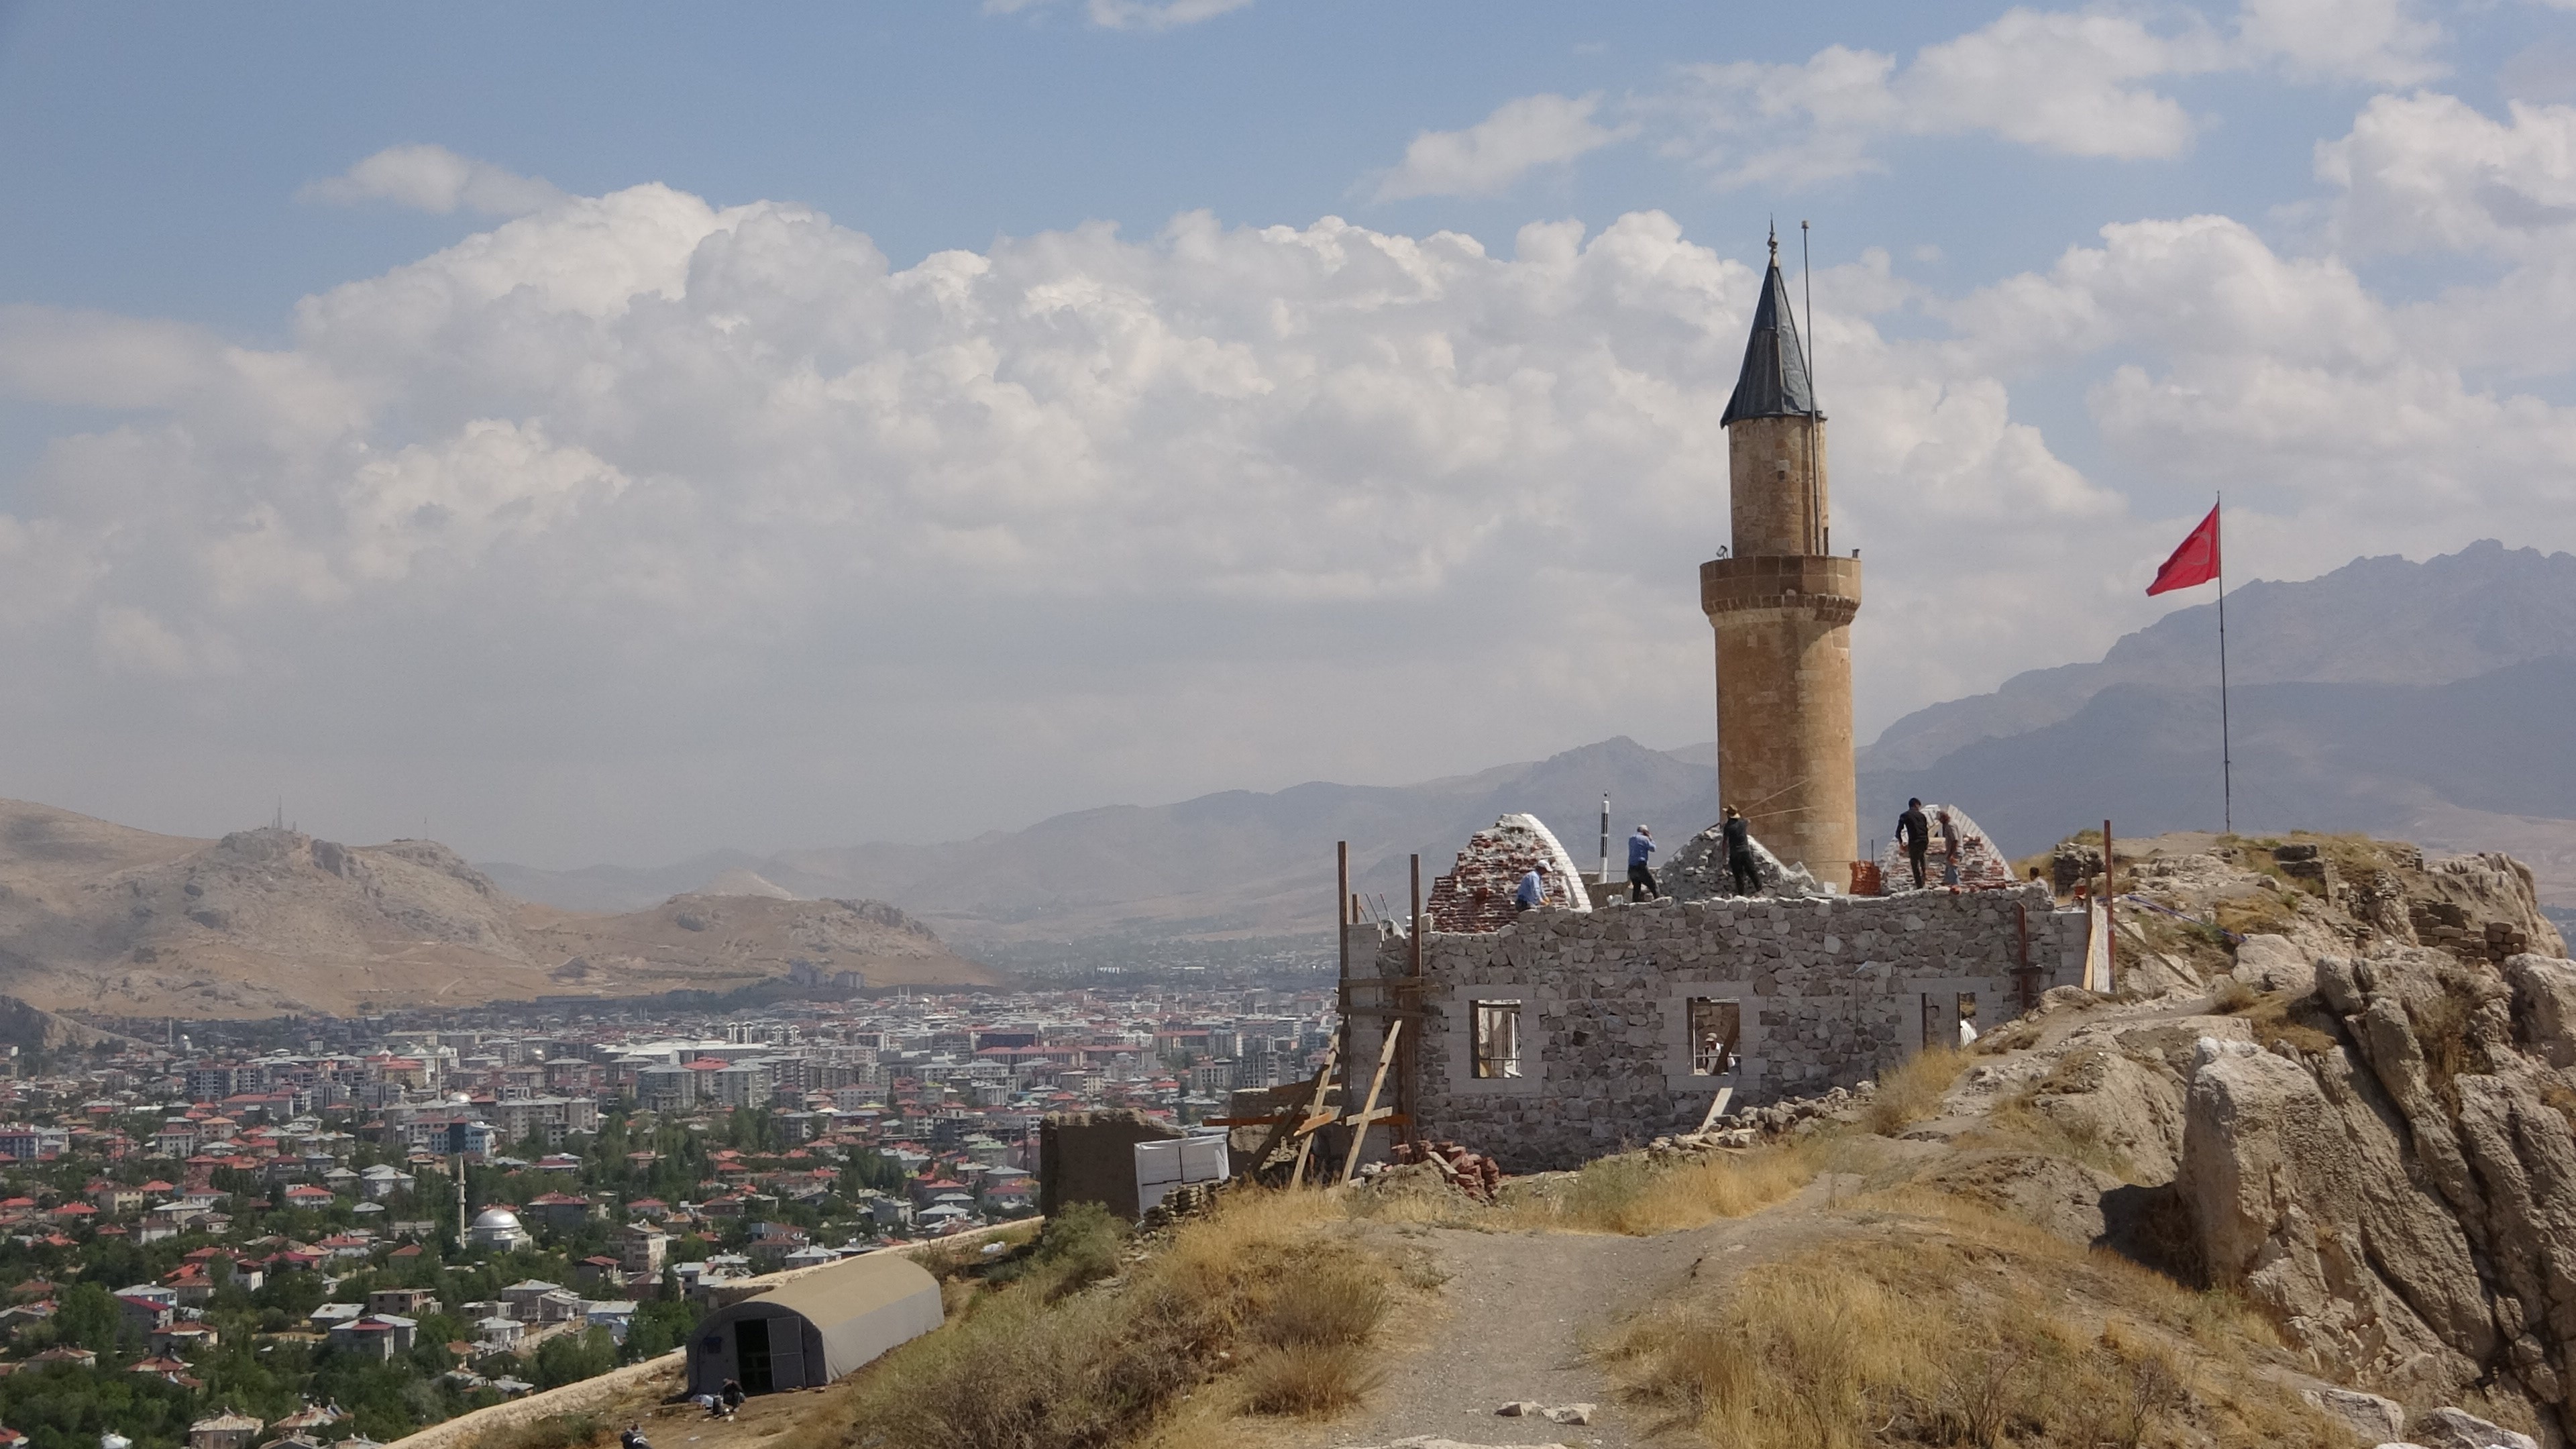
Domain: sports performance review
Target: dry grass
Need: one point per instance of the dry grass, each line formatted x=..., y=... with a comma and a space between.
x=554, y=1431
x=1039, y=1362
x=2233, y=996
x=1913, y=1091
x=2280, y=1019
x=1957, y=1327
x=1628, y=1194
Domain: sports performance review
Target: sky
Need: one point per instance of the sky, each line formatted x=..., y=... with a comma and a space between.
x=595, y=432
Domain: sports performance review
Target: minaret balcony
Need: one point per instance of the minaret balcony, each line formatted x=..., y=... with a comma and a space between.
x=1823, y=585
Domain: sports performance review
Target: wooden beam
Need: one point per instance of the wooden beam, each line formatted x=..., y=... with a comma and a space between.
x=1323, y=1087
x=1717, y=1108
x=1368, y=1109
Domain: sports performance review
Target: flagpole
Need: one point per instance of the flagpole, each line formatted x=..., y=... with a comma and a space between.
x=2226, y=753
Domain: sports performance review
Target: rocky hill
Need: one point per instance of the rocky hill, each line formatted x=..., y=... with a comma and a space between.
x=264, y=922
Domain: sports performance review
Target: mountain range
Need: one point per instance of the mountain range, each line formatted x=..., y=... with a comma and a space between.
x=2428, y=701
x=269, y=922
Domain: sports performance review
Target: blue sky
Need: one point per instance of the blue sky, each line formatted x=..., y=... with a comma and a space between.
x=486, y=381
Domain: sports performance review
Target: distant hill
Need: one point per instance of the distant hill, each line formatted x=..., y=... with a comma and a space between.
x=1230, y=864
x=264, y=922
x=2426, y=701
x=2373, y=621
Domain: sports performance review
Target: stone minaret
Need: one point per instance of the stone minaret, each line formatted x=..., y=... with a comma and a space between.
x=1782, y=606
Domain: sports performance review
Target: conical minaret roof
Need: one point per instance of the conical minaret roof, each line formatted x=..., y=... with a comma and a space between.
x=1774, y=382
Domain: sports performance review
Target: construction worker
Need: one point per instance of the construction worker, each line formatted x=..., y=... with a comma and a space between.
x=1915, y=834
x=1533, y=891
x=1739, y=855
x=1641, y=853
x=1949, y=851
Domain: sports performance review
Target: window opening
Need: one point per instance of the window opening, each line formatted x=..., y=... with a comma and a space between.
x=1498, y=1038
x=1717, y=1032
x=1967, y=1017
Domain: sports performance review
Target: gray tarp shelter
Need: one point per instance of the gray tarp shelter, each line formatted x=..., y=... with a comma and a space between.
x=816, y=1326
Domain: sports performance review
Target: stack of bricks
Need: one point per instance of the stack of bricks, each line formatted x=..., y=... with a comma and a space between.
x=1981, y=866
x=1476, y=895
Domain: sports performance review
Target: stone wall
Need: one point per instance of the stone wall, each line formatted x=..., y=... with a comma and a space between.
x=1830, y=992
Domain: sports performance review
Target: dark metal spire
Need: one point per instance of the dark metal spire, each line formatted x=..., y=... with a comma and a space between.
x=1774, y=381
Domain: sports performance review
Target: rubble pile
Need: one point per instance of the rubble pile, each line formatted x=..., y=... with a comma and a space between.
x=1698, y=870
x=1471, y=1172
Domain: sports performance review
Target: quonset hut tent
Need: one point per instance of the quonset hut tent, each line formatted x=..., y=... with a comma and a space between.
x=816, y=1326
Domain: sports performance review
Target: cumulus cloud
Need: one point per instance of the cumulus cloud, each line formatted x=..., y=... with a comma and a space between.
x=2428, y=172
x=635, y=522
x=1491, y=156
x=1077, y=517
x=434, y=179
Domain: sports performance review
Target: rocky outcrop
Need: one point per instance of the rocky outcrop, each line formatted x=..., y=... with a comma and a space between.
x=2403, y=1202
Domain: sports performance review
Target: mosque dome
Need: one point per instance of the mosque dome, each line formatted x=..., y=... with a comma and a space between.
x=497, y=1220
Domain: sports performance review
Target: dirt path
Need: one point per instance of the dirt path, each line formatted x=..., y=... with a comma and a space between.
x=1519, y=1311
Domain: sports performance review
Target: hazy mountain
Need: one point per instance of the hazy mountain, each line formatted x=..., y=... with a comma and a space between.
x=270, y=921
x=1237, y=862
x=2428, y=701
x=2373, y=621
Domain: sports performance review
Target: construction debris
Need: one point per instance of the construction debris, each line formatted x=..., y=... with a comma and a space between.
x=1473, y=1173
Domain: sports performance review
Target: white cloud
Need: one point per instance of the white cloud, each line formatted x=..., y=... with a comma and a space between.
x=2383, y=42
x=1074, y=518
x=2428, y=172
x=637, y=522
x=1491, y=156
x=2071, y=83
x=434, y=179
x=1130, y=14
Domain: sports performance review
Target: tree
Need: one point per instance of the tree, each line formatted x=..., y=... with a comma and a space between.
x=568, y=1358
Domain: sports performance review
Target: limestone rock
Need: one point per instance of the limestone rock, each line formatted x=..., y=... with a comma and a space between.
x=2404, y=1206
x=2544, y=1007
x=2371, y=1418
x=2274, y=963
x=2459, y=1429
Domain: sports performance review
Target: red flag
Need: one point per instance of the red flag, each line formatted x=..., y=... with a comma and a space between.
x=2196, y=562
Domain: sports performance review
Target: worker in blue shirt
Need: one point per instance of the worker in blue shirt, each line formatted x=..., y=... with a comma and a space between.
x=1533, y=891
x=1641, y=854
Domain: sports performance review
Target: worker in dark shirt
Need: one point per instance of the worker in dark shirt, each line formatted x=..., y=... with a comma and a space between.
x=1914, y=832
x=1739, y=855
x=1641, y=876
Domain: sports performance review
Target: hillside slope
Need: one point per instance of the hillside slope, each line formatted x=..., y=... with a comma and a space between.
x=271, y=921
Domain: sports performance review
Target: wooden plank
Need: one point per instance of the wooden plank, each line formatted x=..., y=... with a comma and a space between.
x=1717, y=1108
x=1384, y=1013
x=1323, y=1087
x=1368, y=1109
x=1279, y=1133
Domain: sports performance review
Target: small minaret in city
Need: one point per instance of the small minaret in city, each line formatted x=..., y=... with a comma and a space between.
x=1782, y=606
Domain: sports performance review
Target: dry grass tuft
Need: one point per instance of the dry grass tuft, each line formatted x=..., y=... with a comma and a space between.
x=1628, y=1194
x=1961, y=1328
x=1307, y=1381
x=2233, y=996
x=1036, y=1361
x=1913, y=1091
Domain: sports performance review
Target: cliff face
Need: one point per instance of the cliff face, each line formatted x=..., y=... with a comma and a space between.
x=2400, y=1193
